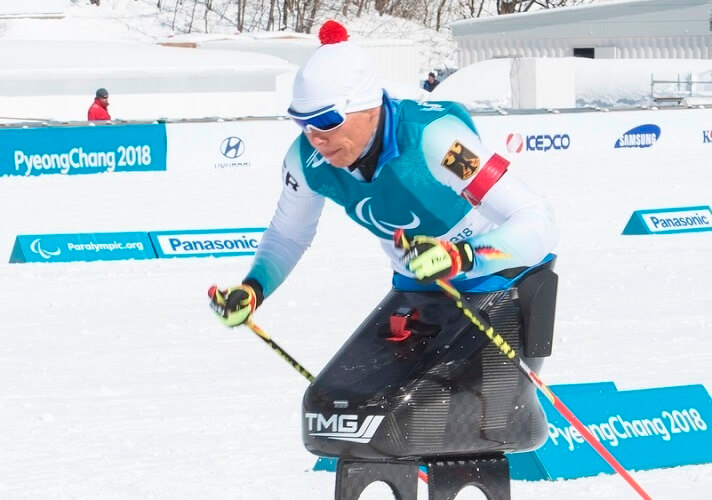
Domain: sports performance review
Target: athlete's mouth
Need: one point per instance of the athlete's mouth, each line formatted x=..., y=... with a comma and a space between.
x=330, y=153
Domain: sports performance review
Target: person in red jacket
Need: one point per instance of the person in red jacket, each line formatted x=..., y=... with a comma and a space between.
x=98, y=110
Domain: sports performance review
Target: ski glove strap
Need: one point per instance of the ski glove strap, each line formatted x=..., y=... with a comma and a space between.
x=234, y=305
x=431, y=259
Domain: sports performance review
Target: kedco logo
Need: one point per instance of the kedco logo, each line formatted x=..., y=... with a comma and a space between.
x=232, y=147
x=707, y=137
x=642, y=136
x=540, y=142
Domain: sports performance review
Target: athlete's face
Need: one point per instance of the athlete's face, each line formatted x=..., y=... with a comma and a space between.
x=343, y=145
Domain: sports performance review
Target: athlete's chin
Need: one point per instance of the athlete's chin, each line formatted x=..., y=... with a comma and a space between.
x=339, y=159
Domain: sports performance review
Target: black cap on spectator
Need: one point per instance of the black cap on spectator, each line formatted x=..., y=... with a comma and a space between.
x=102, y=92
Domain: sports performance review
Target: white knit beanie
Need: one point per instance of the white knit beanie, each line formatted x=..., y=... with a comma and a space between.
x=338, y=71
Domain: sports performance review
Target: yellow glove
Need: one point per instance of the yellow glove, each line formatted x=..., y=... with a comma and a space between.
x=234, y=305
x=431, y=259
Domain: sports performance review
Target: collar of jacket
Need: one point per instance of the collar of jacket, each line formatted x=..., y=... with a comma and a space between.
x=390, y=146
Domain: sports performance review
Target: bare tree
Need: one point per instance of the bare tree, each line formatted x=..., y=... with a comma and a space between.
x=302, y=15
x=439, y=13
x=309, y=22
x=240, y=18
x=192, y=16
x=286, y=8
x=270, y=16
x=208, y=8
x=362, y=4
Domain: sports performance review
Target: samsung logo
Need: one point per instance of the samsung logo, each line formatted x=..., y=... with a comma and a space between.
x=642, y=136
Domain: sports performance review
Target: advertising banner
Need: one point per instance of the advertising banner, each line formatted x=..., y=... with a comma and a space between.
x=670, y=220
x=229, y=145
x=82, y=150
x=206, y=242
x=643, y=429
x=632, y=132
x=81, y=247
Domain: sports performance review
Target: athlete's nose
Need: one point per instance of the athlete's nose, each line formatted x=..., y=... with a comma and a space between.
x=318, y=138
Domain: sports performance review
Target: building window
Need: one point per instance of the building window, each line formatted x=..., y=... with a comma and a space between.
x=584, y=52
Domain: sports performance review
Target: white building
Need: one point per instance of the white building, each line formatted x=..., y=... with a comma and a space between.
x=396, y=62
x=38, y=9
x=631, y=29
x=56, y=80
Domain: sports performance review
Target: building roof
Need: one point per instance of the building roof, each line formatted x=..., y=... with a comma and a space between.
x=625, y=18
x=76, y=67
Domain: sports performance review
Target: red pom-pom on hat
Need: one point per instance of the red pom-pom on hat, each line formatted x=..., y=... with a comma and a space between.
x=332, y=32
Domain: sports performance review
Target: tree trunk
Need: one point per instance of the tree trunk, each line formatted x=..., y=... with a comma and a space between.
x=240, y=21
x=309, y=23
x=285, y=14
x=192, y=16
x=361, y=5
x=439, y=13
x=175, y=13
x=507, y=6
x=270, y=17
x=208, y=8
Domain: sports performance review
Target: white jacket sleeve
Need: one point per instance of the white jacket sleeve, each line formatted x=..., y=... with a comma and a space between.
x=291, y=230
x=515, y=225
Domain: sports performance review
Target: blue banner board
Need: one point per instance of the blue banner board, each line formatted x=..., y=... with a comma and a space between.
x=643, y=429
x=82, y=247
x=670, y=220
x=136, y=245
x=82, y=150
x=207, y=242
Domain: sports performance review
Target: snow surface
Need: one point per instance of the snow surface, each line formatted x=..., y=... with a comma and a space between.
x=117, y=382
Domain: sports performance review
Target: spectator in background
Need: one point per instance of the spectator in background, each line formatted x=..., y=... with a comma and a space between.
x=431, y=82
x=98, y=111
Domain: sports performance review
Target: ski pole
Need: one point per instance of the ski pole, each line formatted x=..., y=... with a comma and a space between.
x=284, y=354
x=507, y=350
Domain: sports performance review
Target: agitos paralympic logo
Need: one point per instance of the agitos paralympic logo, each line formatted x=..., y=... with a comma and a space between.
x=36, y=247
x=364, y=212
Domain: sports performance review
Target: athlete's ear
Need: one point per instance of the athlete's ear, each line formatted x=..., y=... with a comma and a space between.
x=374, y=115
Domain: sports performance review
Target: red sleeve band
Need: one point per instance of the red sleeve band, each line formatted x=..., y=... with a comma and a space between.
x=487, y=177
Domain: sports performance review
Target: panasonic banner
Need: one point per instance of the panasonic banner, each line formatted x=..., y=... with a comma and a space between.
x=206, y=243
x=82, y=150
x=670, y=220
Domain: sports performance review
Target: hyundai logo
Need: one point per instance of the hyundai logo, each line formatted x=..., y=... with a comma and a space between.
x=232, y=147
